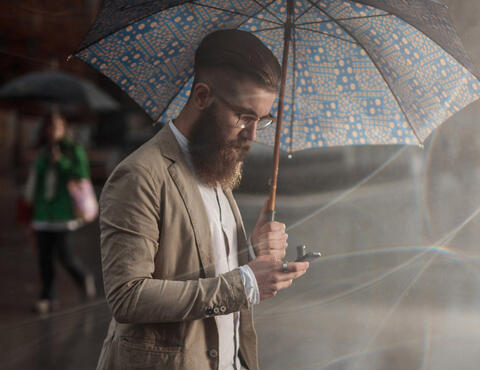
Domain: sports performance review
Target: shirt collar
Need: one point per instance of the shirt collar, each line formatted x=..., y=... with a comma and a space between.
x=182, y=140
x=183, y=143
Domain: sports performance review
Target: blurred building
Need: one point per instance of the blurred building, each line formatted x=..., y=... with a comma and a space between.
x=40, y=35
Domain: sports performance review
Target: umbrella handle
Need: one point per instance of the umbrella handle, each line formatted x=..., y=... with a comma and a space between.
x=270, y=216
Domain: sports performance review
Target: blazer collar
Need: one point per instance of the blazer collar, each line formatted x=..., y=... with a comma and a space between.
x=168, y=145
x=186, y=184
x=241, y=235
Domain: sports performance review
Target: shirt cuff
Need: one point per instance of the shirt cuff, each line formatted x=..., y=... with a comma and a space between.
x=250, y=284
x=251, y=250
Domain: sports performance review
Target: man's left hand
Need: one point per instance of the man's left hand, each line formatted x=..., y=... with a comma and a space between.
x=269, y=238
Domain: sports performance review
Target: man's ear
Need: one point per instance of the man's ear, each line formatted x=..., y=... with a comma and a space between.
x=202, y=95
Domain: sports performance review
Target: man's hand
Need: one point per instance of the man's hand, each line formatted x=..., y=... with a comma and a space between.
x=269, y=238
x=269, y=275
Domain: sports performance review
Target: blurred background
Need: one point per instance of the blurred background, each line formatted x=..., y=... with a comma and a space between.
x=397, y=288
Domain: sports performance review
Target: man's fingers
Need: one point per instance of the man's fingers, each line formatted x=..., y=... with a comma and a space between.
x=273, y=226
x=270, y=276
x=279, y=251
x=276, y=253
x=275, y=235
x=295, y=275
x=285, y=276
x=271, y=237
x=263, y=213
x=267, y=233
x=293, y=267
x=283, y=284
x=272, y=244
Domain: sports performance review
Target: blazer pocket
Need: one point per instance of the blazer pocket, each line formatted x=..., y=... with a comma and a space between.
x=135, y=353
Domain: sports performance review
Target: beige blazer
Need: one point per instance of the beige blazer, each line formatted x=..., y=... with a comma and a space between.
x=158, y=267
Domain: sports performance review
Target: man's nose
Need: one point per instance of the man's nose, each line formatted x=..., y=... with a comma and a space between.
x=250, y=132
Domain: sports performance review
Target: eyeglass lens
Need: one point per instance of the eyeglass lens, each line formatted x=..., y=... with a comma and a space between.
x=247, y=121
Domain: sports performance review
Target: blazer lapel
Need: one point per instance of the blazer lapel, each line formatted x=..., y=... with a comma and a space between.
x=186, y=184
x=241, y=235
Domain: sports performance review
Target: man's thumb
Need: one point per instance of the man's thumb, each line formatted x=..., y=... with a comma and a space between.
x=263, y=217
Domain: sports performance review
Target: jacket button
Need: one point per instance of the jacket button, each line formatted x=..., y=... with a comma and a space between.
x=216, y=311
x=209, y=311
x=223, y=309
x=213, y=353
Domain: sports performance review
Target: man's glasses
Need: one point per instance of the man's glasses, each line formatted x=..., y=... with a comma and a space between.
x=248, y=120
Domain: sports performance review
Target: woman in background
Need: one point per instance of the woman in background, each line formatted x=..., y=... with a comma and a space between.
x=59, y=160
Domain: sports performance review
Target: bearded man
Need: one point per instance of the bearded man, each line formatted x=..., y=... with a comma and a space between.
x=178, y=275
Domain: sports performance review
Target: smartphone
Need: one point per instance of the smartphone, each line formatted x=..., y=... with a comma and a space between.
x=309, y=257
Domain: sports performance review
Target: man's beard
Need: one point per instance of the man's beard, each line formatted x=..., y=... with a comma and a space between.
x=215, y=159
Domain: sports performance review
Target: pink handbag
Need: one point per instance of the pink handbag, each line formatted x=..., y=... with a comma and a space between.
x=84, y=200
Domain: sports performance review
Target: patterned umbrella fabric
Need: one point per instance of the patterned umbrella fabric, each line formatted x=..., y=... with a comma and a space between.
x=360, y=72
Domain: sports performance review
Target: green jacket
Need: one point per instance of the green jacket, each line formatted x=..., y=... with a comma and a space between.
x=73, y=164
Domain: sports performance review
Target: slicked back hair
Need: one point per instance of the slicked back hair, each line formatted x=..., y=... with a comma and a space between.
x=229, y=56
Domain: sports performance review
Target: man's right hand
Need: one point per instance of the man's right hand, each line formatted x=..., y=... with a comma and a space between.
x=269, y=275
x=269, y=237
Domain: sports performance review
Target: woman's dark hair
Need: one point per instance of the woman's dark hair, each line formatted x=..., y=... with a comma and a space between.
x=46, y=123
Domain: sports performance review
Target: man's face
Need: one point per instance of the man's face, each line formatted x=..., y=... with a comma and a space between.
x=217, y=145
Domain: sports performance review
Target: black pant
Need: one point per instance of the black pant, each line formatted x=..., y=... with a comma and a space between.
x=51, y=243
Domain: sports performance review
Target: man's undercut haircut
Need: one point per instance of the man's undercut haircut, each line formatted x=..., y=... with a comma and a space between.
x=228, y=56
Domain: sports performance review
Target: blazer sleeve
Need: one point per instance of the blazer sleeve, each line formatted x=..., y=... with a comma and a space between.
x=129, y=220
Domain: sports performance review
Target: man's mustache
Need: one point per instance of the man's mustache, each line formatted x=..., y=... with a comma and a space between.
x=242, y=144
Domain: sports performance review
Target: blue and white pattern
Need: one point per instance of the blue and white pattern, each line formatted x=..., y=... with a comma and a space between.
x=357, y=74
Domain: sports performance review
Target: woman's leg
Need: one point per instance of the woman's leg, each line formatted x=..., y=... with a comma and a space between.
x=73, y=265
x=65, y=254
x=45, y=242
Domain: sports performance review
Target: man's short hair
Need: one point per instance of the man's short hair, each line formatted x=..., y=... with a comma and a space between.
x=237, y=55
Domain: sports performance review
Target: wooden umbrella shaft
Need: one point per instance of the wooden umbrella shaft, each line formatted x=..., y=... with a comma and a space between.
x=278, y=132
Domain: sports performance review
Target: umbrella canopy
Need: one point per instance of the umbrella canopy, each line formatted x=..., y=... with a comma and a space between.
x=57, y=88
x=359, y=72
x=354, y=72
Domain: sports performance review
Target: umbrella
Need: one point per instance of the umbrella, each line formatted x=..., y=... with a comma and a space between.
x=58, y=88
x=355, y=72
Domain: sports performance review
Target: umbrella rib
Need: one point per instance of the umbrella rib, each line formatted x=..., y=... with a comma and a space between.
x=302, y=14
x=235, y=13
x=376, y=65
x=347, y=19
x=267, y=29
x=327, y=34
x=264, y=7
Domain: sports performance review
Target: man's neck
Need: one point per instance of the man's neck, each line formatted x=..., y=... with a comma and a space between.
x=184, y=122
